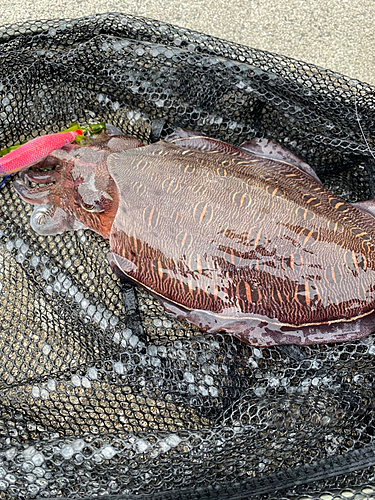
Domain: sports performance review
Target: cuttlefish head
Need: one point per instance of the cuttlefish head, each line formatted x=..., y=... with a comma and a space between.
x=72, y=189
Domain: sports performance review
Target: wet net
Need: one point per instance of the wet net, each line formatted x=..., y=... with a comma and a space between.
x=102, y=392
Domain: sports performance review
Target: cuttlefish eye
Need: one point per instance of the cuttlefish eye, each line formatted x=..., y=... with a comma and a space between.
x=90, y=208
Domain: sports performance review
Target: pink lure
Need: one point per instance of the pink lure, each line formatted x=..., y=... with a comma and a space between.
x=35, y=151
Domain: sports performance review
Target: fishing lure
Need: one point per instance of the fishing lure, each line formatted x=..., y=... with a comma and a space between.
x=34, y=151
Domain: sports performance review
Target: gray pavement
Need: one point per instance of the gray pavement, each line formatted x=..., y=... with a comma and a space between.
x=334, y=34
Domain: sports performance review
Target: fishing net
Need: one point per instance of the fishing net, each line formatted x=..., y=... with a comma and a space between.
x=102, y=392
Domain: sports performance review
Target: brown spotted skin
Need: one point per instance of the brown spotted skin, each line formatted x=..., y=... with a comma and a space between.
x=230, y=240
x=241, y=236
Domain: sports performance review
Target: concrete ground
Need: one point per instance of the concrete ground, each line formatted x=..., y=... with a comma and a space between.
x=334, y=34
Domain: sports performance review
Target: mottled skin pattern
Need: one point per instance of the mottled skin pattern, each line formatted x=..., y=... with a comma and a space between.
x=227, y=239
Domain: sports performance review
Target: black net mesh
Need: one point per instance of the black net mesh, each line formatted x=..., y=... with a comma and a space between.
x=102, y=392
